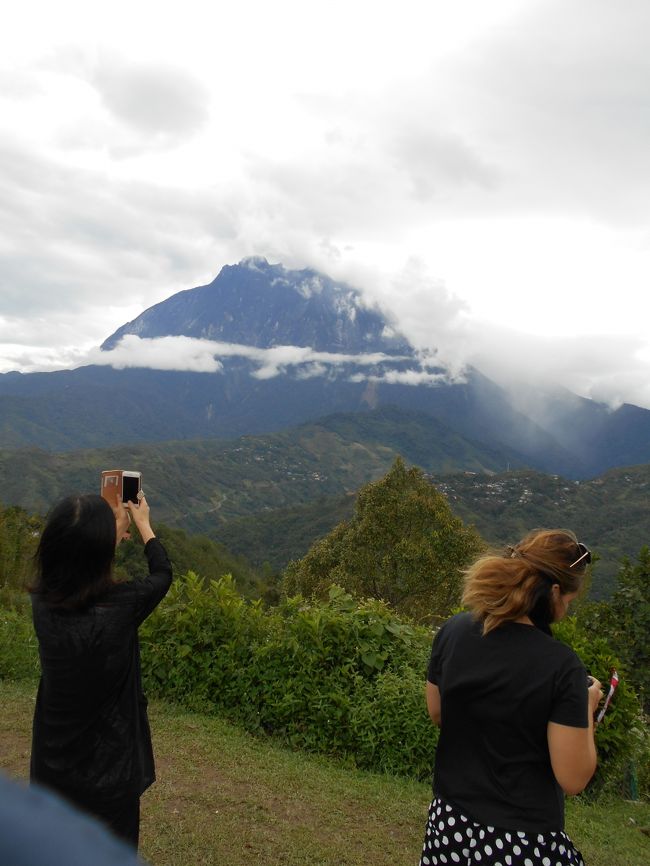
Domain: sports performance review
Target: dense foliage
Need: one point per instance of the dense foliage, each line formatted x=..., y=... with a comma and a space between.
x=625, y=621
x=19, y=534
x=403, y=545
x=250, y=492
x=622, y=737
x=18, y=644
x=341, y=677
x=188, y=553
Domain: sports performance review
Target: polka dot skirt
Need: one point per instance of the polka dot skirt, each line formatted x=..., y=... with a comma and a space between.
x=453, y=838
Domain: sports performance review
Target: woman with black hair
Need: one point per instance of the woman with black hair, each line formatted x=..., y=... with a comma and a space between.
x=91, y=740
x=515, y=709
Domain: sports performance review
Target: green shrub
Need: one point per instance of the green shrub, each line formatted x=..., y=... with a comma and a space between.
x=622, y=736
x=392, y=729
x=18, y=645
x=197, y=642
x=341, y=677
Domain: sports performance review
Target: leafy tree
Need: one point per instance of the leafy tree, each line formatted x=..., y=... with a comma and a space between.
x=625, y=621
x=19, y=533
x=403, y=545
x=195, y=553
x=630, y=621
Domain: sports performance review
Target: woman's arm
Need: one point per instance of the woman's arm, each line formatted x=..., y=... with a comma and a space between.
x=433, y=702
x=573, y=750
x=153, y=588
x=140, y=515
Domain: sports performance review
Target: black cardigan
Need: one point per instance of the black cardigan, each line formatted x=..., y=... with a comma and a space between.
x=91, y=734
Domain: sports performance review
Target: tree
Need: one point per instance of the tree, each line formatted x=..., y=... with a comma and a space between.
x=630, y=621
x=403, y=545
x=625, y=621
x=19, y=533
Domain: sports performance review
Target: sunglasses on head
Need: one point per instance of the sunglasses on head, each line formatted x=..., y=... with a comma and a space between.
x=585, y=554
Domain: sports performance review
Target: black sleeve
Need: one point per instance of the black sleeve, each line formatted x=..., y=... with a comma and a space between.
x=570, y=698
x=151, y=590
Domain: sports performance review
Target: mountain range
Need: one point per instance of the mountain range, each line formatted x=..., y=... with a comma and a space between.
x=278, y=348
x=270, y=497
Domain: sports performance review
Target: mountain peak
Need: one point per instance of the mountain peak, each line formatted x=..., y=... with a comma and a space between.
x=256, y=303
x=255, y=263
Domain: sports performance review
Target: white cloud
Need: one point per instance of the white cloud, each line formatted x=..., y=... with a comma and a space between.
x=164, y=353
x=189, y=353
x=606, y=368
x=409, y=377
x=153, y=98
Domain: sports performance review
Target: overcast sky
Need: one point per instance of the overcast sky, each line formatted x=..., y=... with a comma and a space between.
x=479, y=168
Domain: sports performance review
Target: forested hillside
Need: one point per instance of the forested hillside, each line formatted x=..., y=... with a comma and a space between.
x=199, y=484
x=269, y=497
x=20, y=530
x=611, y=513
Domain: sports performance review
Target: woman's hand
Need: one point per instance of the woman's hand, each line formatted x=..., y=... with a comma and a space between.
x=139, y=512
x=573, y=750
x=595, y=692
x=122, y=521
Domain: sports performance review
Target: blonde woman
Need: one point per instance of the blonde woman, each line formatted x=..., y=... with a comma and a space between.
x=515, y=709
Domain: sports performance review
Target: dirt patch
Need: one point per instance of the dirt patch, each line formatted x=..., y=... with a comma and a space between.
x=15, y=751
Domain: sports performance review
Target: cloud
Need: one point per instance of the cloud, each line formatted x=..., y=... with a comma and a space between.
x=610, y=369
x=434, y=319
x=409, y=377
x=72, y=239
x=163, y=353
x=153, y=98
x=558, y=102
x=437, y=161
x=202, y=356
x=189, y=353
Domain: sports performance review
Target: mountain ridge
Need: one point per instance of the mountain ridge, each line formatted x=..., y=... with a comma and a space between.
x=299, y=346
x=264, y=305
x=247, y=491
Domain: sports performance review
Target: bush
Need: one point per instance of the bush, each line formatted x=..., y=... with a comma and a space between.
x=392, y=729
x=18, y=645
x=341, y=677
x=622, y=736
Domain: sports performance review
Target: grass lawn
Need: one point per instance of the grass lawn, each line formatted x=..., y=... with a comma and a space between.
x=224, y=797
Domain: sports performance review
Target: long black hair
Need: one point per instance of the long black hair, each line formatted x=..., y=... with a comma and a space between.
x=74, y=558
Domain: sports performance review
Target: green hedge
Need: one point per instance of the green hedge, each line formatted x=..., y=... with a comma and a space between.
x=622, y=737
x=18, y=645
x=341, y=677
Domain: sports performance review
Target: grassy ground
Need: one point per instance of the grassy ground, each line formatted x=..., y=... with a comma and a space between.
x=224, y=797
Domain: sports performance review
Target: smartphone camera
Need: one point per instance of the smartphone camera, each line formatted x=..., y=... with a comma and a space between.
x=121, y=482
x=131, y=486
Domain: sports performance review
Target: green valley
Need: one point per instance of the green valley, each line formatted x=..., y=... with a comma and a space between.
x=267, y=498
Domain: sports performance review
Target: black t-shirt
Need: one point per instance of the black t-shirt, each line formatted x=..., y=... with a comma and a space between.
x=498, y=693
